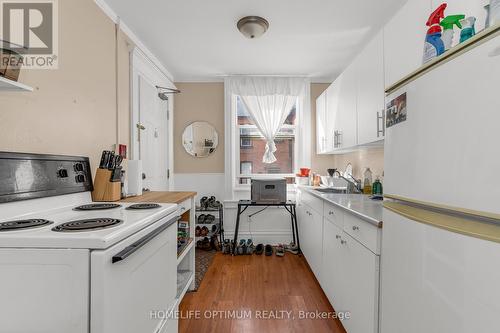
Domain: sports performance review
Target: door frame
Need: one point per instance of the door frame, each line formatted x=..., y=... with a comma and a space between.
x=142, y=67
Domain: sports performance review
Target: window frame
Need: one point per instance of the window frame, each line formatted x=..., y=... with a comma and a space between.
x=302, y=146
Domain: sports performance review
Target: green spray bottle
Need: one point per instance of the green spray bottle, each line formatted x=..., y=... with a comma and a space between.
x=448, y=24
x=469, y=30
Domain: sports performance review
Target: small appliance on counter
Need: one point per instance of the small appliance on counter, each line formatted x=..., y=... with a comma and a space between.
x=134, y=177
x=269, y=190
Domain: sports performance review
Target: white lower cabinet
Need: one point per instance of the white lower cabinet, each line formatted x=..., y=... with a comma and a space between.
x=311, y=229
x=347, y=269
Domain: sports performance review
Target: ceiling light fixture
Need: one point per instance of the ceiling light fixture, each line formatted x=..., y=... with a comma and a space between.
x=253, y=26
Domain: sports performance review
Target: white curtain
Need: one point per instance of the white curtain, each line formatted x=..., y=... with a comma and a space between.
x=269, y=101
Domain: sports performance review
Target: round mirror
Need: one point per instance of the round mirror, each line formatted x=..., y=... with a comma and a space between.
x=200, y=139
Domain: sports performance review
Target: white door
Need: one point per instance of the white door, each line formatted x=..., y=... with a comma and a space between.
x=371, y=96
x=153, y=138
x=347, y=118
x=321, y=124
x=332, y=270
x=133, y=279
x=332, y=113
x=44, y=290
x=359, y=286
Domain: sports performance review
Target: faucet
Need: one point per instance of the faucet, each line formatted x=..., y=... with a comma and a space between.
x=354, y=185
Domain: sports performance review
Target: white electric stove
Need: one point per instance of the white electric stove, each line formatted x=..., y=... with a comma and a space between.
x=71, y=265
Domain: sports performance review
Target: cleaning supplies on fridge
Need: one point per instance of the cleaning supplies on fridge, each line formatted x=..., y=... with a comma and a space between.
x=448, y=23
x=494, y=12
x=469, y=29
x=487, y=21
x=377, y=187
x=434, y=45
x=367, y=183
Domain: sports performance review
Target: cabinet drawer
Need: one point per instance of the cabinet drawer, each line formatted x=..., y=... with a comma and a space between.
x=185, y=206
x=364, y=232
x=312, y=201
x=333, y=214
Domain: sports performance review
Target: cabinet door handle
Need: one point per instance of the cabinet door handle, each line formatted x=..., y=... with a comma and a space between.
x=380, y=117
x=331, y=213
x=338, y=237
x=355, y=228
x=343, y=242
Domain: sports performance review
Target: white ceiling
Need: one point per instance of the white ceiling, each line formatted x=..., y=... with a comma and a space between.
x=197, y=40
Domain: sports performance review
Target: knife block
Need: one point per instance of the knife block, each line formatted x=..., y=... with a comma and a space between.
x=104, y=188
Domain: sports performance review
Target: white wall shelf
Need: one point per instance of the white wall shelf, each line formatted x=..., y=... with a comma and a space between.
x=454, y=52
x=9, y=85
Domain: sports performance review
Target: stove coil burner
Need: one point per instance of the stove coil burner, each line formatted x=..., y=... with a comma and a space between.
x=144, y=206
x=23, y=224
x=97, y=206
x=87, y=225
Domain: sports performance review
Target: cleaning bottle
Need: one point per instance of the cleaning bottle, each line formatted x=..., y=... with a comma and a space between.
x=468, y=30
x=367, y=183
x=448, y=24
x=494, y=12
x=434, y=45
x=377, y=187
x=487, y=20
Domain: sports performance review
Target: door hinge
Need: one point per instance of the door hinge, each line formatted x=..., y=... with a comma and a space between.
x=168, y=173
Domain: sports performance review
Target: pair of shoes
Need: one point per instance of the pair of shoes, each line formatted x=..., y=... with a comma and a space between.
x=259, y=249
x=210, y=203
x=214, y=243
x=201, y=231
x=280, y=250
x=268, y=250
x=242, y=247
x=204, y=244
x=292, y=248
x=226, y=247
x=206, y=219
x=245, y=247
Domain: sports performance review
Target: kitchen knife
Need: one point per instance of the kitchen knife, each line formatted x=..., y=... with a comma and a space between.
x=104, y=159
x=111, y=162
x=118, y=160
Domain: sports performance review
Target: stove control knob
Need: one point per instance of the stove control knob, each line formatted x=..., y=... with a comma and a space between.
x=78, y=167
x=80, y=178
x=62, y=173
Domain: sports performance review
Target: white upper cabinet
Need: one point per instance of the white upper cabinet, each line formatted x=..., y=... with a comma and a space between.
x=371, y=96
x=404, y=37
x=332, y=112
x=345, y=134
x=321, y=130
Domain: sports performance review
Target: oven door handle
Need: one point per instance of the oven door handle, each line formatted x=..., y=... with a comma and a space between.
x=129, y=250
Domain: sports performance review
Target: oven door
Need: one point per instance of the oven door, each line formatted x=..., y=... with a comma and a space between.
x=135, y=280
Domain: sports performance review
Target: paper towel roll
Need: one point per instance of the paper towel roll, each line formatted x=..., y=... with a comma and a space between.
x=134, y=171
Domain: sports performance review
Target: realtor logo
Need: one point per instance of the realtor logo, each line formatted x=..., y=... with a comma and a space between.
x=30, y=29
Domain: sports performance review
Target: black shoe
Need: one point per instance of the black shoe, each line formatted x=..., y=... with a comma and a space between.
x=259, y=249
x=269, y=250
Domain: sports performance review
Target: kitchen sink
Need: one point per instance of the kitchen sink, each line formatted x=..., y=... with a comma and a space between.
x=331, y=190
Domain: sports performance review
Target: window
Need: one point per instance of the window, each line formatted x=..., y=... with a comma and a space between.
x=245, y=143
x=252, y=147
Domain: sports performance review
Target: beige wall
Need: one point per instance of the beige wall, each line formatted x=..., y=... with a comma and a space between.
x=72, y=110
x=205, y=101
x=198, y=102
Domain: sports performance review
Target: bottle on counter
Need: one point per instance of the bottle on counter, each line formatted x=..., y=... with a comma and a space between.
x=377, y=187
x=367, y=183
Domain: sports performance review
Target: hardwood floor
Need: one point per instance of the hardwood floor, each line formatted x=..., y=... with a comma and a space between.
x=245, y=286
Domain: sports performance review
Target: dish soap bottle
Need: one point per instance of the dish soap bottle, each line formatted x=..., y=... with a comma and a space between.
x=377, y=187
x=367, y=184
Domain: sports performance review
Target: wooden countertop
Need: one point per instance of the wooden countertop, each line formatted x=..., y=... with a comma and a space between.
x=161, y=197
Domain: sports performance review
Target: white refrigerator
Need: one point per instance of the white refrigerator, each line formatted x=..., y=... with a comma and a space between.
x=443, y=150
